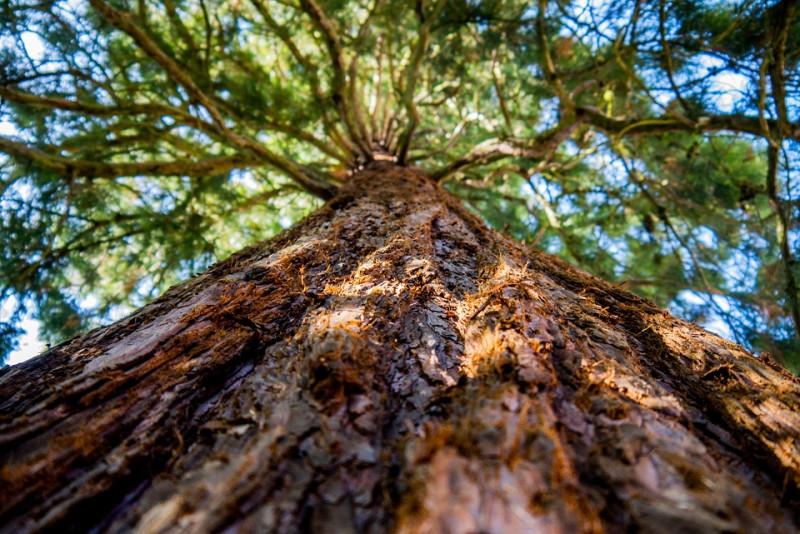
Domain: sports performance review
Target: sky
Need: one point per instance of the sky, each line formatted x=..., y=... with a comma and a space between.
x=29, y=343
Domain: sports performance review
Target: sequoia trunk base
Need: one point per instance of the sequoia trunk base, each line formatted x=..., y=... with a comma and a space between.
x=392, y=365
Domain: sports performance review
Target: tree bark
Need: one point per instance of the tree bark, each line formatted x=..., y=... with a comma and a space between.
x=392, y=365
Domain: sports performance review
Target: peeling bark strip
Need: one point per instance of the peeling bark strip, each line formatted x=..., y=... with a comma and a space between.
x=391, y=365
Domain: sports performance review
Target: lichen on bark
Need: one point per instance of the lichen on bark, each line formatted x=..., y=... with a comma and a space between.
x=392, y=365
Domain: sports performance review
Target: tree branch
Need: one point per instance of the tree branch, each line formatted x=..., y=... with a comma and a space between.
x=88, y=108
x=313, y=184
x=340, y=97
x=784, y=225
x=778, y=79
x=311, y=71
x=664, y=124
x=499, y=91
x=547, y=61
x=95, y=169
x=353, y=73
x=411, y=76
x=778, y=64
x=496, y=149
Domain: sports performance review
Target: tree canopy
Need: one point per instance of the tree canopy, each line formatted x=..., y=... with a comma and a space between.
x=650, y=143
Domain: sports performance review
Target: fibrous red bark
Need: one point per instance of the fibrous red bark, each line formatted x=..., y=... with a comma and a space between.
x=390, y=364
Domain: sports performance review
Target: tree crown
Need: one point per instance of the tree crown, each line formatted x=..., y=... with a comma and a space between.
x=647, y=142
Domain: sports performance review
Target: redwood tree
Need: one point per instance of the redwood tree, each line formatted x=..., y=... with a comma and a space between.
x=390, y=363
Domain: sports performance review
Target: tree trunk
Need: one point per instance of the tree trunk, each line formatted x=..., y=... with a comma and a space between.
x=392, y=365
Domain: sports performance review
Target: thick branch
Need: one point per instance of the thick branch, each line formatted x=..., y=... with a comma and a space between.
x=152, y=109
x=124, y=22
x=338, y=87
x=547, y=61
x=310, y=69
x=496, y=149
x=777, y=68
x=663, y=124
x=667, y=54
x=498, y=89
x=97, y=169
x=778, y=64
x=410, y=84
x=353, y=73
x=784, y=225
x=88, y=108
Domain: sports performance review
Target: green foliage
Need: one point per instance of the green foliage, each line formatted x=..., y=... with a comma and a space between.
x=145, y=140
x=9, y=337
